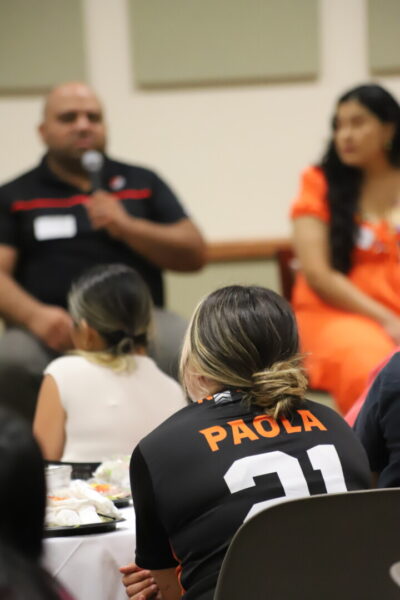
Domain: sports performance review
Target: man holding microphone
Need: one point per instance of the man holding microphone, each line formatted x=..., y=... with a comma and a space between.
x=54, y=225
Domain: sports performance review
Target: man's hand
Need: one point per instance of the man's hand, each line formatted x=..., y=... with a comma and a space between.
x=178, y=245
x=139, y=584
x=105, y=211
x=52, y=325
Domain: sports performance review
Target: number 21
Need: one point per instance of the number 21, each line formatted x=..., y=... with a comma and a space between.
x=323, y=457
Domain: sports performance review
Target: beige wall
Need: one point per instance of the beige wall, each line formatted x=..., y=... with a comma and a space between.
x=232, y=153
x=185, y=290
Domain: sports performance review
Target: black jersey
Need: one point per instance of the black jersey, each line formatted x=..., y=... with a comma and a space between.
x=44, y=218
x=208, y=468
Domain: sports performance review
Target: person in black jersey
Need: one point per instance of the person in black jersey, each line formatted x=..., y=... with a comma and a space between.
x=249, y=440
x=53, y=226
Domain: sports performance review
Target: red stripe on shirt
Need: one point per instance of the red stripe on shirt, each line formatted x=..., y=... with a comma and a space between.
x=36, y=203
x=133, y=194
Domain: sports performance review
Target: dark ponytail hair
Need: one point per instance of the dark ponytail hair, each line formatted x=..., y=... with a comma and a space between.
x=115, y=301
x=344, y=182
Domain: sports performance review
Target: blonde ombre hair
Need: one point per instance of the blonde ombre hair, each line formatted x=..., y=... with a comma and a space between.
x=115, y=301
x=245, y=337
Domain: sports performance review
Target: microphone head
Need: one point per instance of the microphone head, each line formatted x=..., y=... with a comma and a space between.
x=92, y=161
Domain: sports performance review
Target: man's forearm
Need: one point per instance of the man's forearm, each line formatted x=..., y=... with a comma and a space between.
x=16, y=304
x=177, y=246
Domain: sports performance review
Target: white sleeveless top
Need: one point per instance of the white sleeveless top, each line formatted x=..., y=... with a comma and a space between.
x=108, y=413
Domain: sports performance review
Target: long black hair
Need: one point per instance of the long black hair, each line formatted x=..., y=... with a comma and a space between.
x=23, y=488
x=344, y=182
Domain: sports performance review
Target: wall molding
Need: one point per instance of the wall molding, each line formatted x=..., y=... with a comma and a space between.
x=241, y=250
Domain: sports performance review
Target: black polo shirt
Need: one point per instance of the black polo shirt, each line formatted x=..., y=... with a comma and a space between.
x=46, y=220
x=197, y=477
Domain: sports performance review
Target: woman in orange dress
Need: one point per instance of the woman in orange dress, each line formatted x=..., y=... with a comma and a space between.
x=346, y=236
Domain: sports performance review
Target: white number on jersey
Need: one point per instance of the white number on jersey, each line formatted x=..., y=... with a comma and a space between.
x=323, y=457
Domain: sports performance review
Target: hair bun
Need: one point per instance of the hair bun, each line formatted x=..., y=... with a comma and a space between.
x=280, y=387
x=125, y=346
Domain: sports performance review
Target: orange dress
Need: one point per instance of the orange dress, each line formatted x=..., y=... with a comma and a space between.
x=340, y=347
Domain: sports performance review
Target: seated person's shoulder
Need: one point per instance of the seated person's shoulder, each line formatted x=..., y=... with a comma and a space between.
x=329, y=418
x=321, y=410
x=391, y=369
x=150, y=371
x=20, y=186
x=311, y=199
x=386, y=386
x=313, y=174
x=131, y=171
x=69, y=363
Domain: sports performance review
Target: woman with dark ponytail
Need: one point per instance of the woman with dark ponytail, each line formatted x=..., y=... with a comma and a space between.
x=101, y=401
x=346, y=236
x=250, y=439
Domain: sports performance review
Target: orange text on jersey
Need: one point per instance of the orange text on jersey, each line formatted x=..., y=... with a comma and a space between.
x=262, y=426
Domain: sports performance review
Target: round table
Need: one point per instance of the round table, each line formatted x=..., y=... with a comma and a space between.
x=87, y=565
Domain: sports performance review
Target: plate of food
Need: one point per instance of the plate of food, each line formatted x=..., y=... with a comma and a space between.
x=105, y=525
x=111, y=479
x=118, y=495
x=79, y=509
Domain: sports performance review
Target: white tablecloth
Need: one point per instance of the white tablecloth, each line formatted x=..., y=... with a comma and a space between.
x=88, y=565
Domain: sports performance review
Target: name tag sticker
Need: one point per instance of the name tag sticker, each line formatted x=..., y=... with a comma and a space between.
x=54, y=227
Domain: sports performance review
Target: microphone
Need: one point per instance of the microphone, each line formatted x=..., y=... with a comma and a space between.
x=92, y=161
